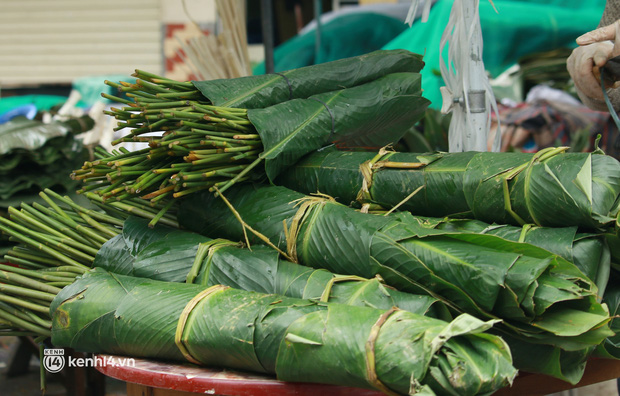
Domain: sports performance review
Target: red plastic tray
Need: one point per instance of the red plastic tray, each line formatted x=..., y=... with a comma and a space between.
x=190, y=378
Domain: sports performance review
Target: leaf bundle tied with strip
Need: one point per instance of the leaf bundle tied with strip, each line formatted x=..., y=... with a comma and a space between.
x=393, y=351
x=197, y=144
x=551, y=188
x=205, y=261
x=175, y=255
x=539, y=296
x=172, y=255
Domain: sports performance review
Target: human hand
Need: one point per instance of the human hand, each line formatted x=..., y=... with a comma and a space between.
x=592, y=54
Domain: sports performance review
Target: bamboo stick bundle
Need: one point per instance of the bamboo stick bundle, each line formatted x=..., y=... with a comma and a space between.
x=224, y=55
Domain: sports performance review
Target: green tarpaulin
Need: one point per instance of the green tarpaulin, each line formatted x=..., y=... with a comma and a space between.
x=518, y=28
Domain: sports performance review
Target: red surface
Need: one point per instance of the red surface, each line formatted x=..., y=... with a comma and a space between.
x=189, y=378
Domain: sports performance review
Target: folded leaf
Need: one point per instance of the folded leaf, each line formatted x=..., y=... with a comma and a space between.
x=35, y=156
x=369, y=115
x=31, y=135
x=267, y=90
x=206, y=147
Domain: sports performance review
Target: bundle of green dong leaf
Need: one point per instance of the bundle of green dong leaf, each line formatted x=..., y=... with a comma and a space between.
x=551, y=188
x=548, y=306
x=213, y=134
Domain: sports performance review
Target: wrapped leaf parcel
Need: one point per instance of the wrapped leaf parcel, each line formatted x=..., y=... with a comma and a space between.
x=550, y=188
x=540, y=296
x=393, y=351
x=588, y=251
x=203, y=146
x=173, y=255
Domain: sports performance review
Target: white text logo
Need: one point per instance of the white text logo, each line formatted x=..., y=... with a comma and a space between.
x=54, y=360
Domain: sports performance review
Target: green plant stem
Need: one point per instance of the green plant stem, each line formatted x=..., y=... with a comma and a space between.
x=62, y=228
x=31, y=283
x=23, y=262
x=25, y=304
x=20, y=323
x=26, y=315
x=161, y=213
x=61, y=244
x=53, y=205
x=25, y=292
x=49, y=276
x=33, y=243
x=80, y=228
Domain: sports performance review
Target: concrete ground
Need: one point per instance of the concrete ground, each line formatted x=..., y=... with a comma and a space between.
x=28, y=384
x=607, y=388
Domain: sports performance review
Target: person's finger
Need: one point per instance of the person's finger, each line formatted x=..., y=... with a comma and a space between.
x=583, y=58
x=589, y=86
x=580, y=64
x=602, y=53
x=598, y=35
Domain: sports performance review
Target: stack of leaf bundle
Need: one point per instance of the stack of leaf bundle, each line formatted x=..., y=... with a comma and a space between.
x=395, y=351
x=172, y=255
x=551, y=188
x=212, y=134
x=208, y=146
x=548, y=306
x=169, y=254
x=290, y=336
x=35, y=155
x=62, y=240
